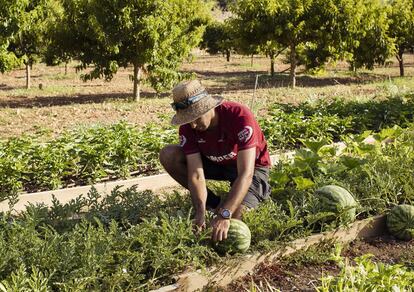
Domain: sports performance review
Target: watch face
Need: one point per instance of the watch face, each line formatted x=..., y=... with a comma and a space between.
x=225, y=213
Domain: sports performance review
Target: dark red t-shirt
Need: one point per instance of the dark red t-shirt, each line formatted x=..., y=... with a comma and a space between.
x=237, y=130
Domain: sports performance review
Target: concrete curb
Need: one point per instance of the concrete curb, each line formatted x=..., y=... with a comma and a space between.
x=155, y=182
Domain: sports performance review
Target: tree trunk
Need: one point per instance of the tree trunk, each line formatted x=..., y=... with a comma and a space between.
x=137, y=81
x=401, y=61
x=293, y=65
x=272, y=65
x=27, y=75
x=228, y=55
x=66, y=68
x=352, y=67
x=251, y=62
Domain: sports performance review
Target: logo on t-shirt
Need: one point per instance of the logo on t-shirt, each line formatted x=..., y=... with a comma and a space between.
x=245, y=134
x=183, y=140
x=228, y=156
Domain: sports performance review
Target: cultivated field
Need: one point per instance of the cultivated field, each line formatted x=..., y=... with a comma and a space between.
x=130, y=240
x=65, y=102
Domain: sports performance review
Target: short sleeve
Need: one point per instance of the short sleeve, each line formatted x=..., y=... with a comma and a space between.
x=247, y=131
x=188, y=140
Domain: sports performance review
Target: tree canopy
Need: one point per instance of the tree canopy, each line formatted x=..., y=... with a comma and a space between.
x=401, y=28
x=155, y=36
x=24, y=37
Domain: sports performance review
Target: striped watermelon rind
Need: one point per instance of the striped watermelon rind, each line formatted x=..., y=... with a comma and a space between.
x=238, y=239
x=400, y=222
x=337, y=200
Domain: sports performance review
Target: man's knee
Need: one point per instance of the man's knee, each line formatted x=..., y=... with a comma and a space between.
x=171, y=155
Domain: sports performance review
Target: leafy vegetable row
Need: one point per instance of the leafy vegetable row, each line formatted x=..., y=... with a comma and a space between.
x=77, y=157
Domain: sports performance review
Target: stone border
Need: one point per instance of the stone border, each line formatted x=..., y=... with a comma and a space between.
x=223, y=275
x=154, y=182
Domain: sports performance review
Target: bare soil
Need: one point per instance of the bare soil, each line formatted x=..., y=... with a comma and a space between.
x=66, y=102
x=302, y=276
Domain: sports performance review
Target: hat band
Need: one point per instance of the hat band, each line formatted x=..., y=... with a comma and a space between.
x=189, y=101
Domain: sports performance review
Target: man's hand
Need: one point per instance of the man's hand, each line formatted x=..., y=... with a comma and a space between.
x=220, y=228
x=199, y=224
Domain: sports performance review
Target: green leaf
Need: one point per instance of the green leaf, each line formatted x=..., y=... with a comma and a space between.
x=351, y=162
x=280, y=179
x=314, y=146
x=303, y=183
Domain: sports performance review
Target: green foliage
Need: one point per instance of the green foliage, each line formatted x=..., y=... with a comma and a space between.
x=10, y=24
x=379, y=175
x=271, y=222
x=401, y=26
x=284, y=129
x=314, y=31
x=254, y=28
x=333, y=26
x=136, y=241
x=371, y=44
x=26, y=26
x=402, y=23
x=217, y=38
x=288, y=125
x=367, y=275
x=318, y=254
x=80, y=156
x=87, y=155
x=154, y=36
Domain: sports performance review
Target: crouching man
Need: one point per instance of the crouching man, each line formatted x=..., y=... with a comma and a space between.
x=219, y=140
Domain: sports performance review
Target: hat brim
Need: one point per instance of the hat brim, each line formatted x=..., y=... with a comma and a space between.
x=196, y=110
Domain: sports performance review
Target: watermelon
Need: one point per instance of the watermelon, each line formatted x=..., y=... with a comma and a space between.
x=400, y=222
x=337, y=200
x=238, y=239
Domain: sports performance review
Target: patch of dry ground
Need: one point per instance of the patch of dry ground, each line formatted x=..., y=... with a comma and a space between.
x=65, y=102
x=302, y=276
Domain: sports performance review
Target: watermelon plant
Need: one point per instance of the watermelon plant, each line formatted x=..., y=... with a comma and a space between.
x=368, y=275
x=133, y=240
x=400, y=221
x=238, y=239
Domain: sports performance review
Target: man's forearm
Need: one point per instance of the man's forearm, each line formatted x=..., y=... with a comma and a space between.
x=198, y=191
x=238, y=192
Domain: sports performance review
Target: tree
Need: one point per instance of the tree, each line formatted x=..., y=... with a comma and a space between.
x=154, y=36
x=60, y=41
x=27, y=40
x=10, y=23
x=217, y=39
x=254, y=28
x=276, y=25
x=370, y=42
x=402, y=28
x=331, y=26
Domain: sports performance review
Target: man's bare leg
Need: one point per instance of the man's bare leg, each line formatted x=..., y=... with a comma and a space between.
x=173, y=160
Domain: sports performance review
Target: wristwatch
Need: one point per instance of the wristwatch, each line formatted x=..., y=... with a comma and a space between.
x=225, y=213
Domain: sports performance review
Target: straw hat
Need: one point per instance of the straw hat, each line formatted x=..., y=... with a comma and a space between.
x=191, y=101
